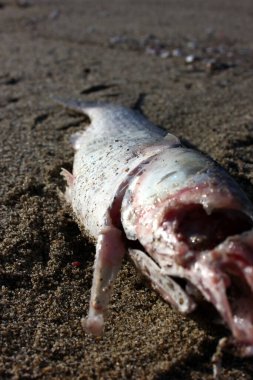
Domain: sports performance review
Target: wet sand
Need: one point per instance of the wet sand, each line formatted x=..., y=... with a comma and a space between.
x=189, y=68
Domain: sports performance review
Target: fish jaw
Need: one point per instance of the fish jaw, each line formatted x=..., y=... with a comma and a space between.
x=224, y=276
x=204, y=235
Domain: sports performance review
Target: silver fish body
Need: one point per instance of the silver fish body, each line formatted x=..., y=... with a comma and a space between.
x=178, y=214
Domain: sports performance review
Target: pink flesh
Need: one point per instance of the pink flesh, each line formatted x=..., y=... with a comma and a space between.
x=210, y=249
x=218, y=268
x=236, y=262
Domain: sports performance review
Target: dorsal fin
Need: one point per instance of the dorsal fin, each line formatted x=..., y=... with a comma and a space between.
x=172, y=140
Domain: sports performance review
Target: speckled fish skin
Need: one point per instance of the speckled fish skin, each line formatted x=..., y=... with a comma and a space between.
x=136, y=189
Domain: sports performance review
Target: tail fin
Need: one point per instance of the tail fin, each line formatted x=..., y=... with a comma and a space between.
x=77, y=105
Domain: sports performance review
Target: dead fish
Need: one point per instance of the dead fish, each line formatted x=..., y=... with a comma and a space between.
x=178, y=214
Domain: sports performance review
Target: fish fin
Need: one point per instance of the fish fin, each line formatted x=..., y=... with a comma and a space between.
x=172, y=140
x=110, y=250
x=69, y=178
x=75, y=140
x=168, y=289
x=110, y=117
x=152, y=149
x=77, y=106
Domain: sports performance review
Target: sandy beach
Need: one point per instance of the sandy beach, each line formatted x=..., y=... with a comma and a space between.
x=188, y=66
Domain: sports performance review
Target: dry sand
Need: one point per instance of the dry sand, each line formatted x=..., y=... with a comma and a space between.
x=95, y=50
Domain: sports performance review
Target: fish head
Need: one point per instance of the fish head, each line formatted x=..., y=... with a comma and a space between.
x=203, y=234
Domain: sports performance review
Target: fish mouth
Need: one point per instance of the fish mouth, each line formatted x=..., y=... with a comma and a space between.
x=204, y=235
x=214, y=251
x=203, y=231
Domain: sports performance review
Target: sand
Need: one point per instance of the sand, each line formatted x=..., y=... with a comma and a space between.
x=133, y=53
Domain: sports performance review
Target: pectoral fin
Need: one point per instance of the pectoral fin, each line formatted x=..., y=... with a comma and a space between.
x=110, y=250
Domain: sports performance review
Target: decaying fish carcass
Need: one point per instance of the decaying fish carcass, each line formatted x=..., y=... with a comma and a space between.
x=178, y=214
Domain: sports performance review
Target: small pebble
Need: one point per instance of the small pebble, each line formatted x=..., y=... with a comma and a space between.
x=191, y=58
x=177, y=53
x=76, y=264
x=164, y=54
